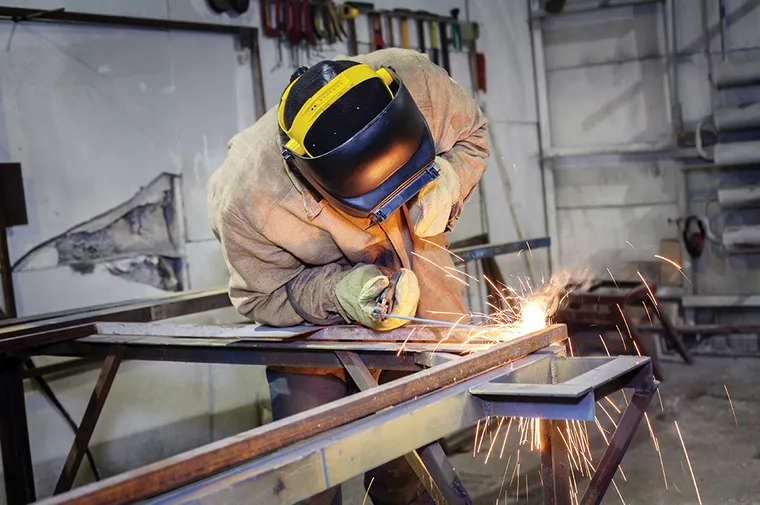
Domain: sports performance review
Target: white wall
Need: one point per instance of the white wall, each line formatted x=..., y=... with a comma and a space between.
x=607, y=90
x=94, y=113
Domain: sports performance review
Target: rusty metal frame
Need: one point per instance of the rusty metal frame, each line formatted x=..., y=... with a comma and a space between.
x=439, y=369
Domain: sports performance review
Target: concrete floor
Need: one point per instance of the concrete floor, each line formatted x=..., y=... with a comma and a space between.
x=725, y=459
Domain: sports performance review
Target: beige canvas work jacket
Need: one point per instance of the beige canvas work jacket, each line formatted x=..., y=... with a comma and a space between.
x=278, y=237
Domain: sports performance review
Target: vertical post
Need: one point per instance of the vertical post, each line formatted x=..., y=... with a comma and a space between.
x=89, y=420
x=430, y=462
x=6, y=277
x=555, y=464
x=14, y=435
x=619, y=443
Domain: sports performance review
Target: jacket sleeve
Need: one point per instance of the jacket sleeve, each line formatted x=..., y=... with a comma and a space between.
x=271, y=286
x=459, y=129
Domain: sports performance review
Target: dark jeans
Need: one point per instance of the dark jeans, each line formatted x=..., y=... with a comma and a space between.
x=395, y=483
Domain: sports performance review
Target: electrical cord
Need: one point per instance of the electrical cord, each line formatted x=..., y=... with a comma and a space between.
x=48, y=392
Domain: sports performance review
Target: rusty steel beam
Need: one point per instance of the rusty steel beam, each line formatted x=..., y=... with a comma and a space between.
x=185, y=468
x=89, y=420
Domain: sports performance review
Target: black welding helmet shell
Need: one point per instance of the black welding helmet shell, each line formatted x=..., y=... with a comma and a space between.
x=379, y=167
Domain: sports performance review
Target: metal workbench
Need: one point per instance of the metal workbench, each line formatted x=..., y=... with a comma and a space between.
x=450, y=386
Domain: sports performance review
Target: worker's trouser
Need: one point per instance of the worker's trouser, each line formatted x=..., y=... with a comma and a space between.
x=395, y=483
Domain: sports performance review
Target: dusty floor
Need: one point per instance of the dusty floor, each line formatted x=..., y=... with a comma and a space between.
x=725, y=459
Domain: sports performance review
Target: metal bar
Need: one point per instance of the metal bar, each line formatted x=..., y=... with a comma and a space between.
x=24, y=336
x=28, y=15
x=619, y=443
x=672, y=334
x=555, y=467
x=89, y=420
x=430, y=463
x=706, y=329
x=489, y=251
x=64, y=366
x=219, y=456
x=297, y=472
x=382, y=358
x=6, y=272
x=14, y=435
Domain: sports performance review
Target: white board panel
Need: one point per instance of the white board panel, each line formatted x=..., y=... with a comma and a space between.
x=50, y=290
x=212, y=99
x=623, y=184
x=603, y=36
x=505, y=39
x=608, y=104
x=596, y=238
x=87, y=114
x=205, y=265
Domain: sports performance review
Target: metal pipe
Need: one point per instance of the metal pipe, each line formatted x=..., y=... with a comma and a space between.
x=737, y=153
x=741, y=117
x=722, y=14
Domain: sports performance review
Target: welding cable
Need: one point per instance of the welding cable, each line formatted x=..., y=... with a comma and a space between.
x=47, y=391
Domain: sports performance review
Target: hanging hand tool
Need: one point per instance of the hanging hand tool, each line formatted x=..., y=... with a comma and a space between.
x=456, y=31
x=293, y=30
x=307, y=33
x=434, y=42
x=274, y=27
x=403, y=15
x=389, y=30
x=376, y=30
x=421, y=34
x=348, y=13
x=444, y=47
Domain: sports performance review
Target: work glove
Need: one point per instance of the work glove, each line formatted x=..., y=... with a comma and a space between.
x=358, y=293
x=431, y=209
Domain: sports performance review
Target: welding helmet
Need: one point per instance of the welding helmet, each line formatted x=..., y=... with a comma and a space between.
x=356, y=136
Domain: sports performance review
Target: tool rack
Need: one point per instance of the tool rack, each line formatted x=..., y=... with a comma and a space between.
x=450, y=387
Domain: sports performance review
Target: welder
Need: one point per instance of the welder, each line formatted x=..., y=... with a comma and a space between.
x=345, y=187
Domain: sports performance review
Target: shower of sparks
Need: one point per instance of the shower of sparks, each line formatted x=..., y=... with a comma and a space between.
x=613, y=279
x=622, y=338
x=506, y=436
x=404, y=342
x=483, y=433
x=630, y=245
x=651, y=295
x=736, y=421
x=503, y=479
x=657, y=449
x=604, y=344
x=448, y=274
x=441, y=247
x=676, y=265
x=627, y=328
x=647, y=311
x=495, y=437
x=367, y=492
x=475, y=444
x=688, y=462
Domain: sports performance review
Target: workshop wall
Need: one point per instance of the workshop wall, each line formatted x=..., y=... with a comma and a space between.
x=114, y=122
x=611, y=122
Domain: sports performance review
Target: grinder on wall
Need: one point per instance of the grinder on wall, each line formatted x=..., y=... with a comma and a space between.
x=357, y=137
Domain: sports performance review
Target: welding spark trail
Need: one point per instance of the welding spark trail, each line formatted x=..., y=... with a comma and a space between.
x=736, y=421
x=688, y=461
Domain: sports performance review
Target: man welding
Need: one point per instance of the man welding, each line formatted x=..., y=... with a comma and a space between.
x=332, y=208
